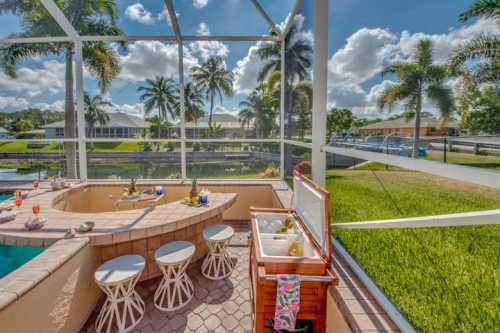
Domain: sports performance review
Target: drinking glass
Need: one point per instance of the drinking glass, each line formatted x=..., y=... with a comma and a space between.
x=36, y=210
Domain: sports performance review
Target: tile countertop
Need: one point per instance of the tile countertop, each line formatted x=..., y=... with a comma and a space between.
x=113, y=226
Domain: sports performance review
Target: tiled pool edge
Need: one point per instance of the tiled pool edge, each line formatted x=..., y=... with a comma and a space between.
x=28, y=276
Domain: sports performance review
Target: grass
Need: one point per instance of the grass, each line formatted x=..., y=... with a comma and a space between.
x=442, y=279
x=478, y=161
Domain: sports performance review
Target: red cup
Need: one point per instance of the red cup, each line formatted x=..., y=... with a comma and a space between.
x=18, y=202
x=36, y=209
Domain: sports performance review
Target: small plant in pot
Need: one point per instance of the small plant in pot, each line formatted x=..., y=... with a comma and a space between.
x=130, y=192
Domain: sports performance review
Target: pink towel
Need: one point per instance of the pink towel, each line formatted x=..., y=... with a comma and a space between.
x=287, y=301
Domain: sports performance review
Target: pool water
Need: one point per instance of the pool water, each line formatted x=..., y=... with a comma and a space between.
x=5, y=196
x=13, y=257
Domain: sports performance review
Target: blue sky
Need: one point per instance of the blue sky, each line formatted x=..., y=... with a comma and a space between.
x=364, y=35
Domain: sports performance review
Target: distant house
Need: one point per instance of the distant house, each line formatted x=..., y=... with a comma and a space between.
x=120, y=125
x=230, y=126
x=401, y=127
x=4, y=134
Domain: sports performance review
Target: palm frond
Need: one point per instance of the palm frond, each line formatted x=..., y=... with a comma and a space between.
x=482, y=8
x=482, y=48
x=442, y=96
x=423, y=53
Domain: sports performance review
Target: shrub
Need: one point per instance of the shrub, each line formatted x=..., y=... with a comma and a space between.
x=29, y=135
x=196, y=146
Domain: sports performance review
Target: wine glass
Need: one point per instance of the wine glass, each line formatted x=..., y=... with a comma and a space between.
x=18, y=202
x=36, y=210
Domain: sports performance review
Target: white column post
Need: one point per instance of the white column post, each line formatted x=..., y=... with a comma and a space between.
x=282, y=110
x=80, y=110
x=183, y=110
x=320, y=81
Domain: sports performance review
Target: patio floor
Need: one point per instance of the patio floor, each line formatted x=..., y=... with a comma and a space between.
x=217, y=306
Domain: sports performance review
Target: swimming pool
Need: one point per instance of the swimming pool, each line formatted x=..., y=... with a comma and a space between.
x=13, y=257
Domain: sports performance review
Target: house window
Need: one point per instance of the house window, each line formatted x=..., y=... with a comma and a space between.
x=59, y=132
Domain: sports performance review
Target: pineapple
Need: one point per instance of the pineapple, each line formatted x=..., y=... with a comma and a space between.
x=193, y=194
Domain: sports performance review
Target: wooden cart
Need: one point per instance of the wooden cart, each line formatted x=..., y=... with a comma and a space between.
x=269, y=254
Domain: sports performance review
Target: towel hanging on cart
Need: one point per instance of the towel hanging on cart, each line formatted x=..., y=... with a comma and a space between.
x=287, y=301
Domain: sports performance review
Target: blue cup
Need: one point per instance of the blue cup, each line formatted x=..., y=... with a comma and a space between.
x=204, y=199
x=158, y=190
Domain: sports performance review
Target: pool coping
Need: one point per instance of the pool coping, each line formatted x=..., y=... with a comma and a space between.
x=22, y=280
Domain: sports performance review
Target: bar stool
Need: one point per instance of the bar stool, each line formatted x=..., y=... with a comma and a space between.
x=217, y=264
x=123, y=308
x=176, y=288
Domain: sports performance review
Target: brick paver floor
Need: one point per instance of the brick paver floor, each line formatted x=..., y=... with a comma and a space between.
x=217, y=306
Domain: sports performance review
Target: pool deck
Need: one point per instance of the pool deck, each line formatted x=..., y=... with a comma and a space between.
x=113, y=226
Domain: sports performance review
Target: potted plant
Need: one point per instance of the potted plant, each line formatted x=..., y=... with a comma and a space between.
x=130, y=192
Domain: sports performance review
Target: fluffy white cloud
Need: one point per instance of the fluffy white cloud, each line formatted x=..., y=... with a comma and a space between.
x=9, y=102
x=367, y=51
x=164, y=15
x=137, y=12
x=55, y=106
x=198, y=4
x=203, y=29
x=247, y=70
x=147, y=59
x=47, y=78
x=132, y=109
x=207, y=49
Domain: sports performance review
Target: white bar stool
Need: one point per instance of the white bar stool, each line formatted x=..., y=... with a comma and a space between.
x=123, y=308
x=217, y=264
x=176, y=288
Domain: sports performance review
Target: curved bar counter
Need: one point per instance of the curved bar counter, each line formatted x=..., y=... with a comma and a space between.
x=123, y=230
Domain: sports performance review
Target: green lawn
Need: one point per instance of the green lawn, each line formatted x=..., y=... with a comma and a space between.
x=442, y=279
x=478, y=161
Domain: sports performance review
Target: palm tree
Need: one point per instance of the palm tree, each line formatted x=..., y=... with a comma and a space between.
x=95, y=112
x=417, y=80
x=261, y=108
x=298, y=53
x=92, y=17
x=193, y=104
x=213, y=78
x=484, y=49
x=300, y=99
x=159, y=94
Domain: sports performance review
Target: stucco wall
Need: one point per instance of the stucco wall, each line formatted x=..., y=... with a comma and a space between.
x=61, y=302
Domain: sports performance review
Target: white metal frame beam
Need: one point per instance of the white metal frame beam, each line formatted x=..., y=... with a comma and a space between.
x=320, y=74
x=61, y=19
x=447, y=220
x=291, y=17
x=458, y=172
x=173, y=19
x=266, y=17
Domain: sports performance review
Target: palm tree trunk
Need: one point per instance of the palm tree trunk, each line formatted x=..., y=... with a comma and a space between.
x=416, y=135
x=210, y=115
x=69, y=118
x=159, y=122
x=287, y=151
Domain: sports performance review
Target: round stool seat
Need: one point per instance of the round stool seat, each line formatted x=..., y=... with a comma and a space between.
x=218, y=233
x=176, y=288
x=217, y=264
x=120, y=269
x=123, y=308
x=174, y=252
